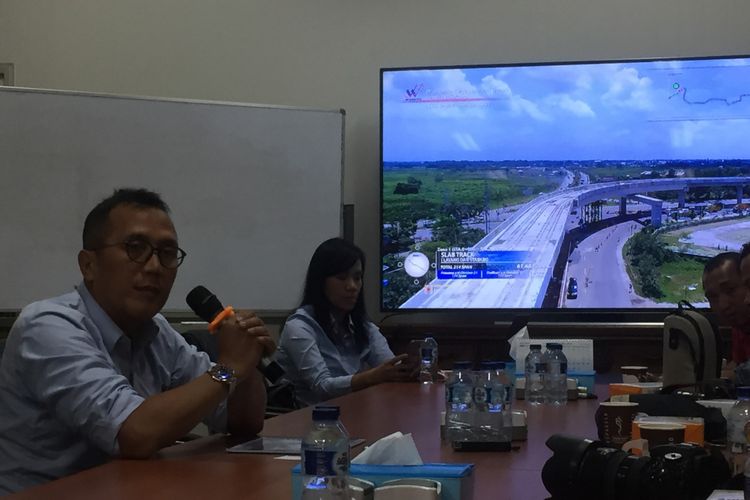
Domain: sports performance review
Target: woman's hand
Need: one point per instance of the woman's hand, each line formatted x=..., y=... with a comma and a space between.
x=393, y=370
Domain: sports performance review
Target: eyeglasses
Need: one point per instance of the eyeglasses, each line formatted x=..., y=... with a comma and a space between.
x=140, y=251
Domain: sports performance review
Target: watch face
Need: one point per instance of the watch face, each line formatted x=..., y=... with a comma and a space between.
x=222, y=373
x=416, y=264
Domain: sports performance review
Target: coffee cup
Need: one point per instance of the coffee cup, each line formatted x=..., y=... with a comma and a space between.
x=662, y=433
x=632, y=374
x=616, y=421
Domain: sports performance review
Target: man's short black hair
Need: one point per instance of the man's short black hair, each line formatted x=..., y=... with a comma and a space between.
x=95, y=226
x=718, y=260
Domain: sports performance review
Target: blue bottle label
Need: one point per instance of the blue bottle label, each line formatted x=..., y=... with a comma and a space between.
x=325, y=463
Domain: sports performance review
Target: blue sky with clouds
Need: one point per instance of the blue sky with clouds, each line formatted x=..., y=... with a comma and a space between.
x=615, y=111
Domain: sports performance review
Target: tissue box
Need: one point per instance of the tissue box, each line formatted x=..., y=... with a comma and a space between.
x=457, y=480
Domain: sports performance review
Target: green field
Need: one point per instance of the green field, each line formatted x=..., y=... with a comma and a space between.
x=460, y=187
x=678, y=277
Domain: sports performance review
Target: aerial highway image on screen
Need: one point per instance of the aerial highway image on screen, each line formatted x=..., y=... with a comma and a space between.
x=576, y=185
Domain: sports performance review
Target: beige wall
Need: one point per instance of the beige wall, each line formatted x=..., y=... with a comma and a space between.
x=327, y=53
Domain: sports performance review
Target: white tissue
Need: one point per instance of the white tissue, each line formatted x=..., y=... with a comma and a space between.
x=523, y=333
x=394, y=449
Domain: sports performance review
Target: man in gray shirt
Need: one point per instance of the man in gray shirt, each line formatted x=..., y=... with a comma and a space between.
x=99, y=373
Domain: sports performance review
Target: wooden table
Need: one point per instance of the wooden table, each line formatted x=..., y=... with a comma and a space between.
x=202, y=469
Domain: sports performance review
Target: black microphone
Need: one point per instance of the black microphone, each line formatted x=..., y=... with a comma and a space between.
x=207, y=307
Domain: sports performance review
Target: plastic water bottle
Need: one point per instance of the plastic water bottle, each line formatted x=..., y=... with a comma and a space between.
x=534, y=371
x=490, y=404
x=738, y=418
x=480, y=394
x=459, y=407
x=507, y=371
x=325, y=457
x=428, y=356
x=555, y=377
x=507, y=376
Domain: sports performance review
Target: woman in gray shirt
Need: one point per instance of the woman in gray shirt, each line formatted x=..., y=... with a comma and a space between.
x=328, y=346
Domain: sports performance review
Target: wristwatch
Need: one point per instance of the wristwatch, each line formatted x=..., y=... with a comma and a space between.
x=225, y=375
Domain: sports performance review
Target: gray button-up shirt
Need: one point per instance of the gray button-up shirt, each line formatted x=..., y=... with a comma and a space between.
x=320, y=369
x=68, y=380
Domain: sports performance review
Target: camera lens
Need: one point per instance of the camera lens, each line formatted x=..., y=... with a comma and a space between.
x=560, y=472
x=626, y=484
x=574, y=465
x=581, y=469
x=598, y=470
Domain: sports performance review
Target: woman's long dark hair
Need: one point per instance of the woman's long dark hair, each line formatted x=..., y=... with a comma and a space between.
x=332, y=257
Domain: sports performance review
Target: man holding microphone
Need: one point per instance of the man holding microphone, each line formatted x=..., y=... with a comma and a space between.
x=99, y=373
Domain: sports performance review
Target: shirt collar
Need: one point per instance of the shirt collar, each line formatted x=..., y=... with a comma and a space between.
x=345, y=329
x=111, y=333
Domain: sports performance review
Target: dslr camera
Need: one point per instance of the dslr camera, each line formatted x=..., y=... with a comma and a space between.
x=581, y=469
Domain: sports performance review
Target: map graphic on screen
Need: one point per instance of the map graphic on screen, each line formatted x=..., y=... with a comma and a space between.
x=602, y=185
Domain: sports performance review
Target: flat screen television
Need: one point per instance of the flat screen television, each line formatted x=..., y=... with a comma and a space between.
x=591, y=185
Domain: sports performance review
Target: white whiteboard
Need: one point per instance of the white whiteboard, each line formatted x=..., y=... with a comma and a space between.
x=253, y=189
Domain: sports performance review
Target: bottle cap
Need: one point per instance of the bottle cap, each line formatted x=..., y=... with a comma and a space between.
x=326, y=413
x=554, y=345
x=534, y=347
x=500, y=365
x=487, y=365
